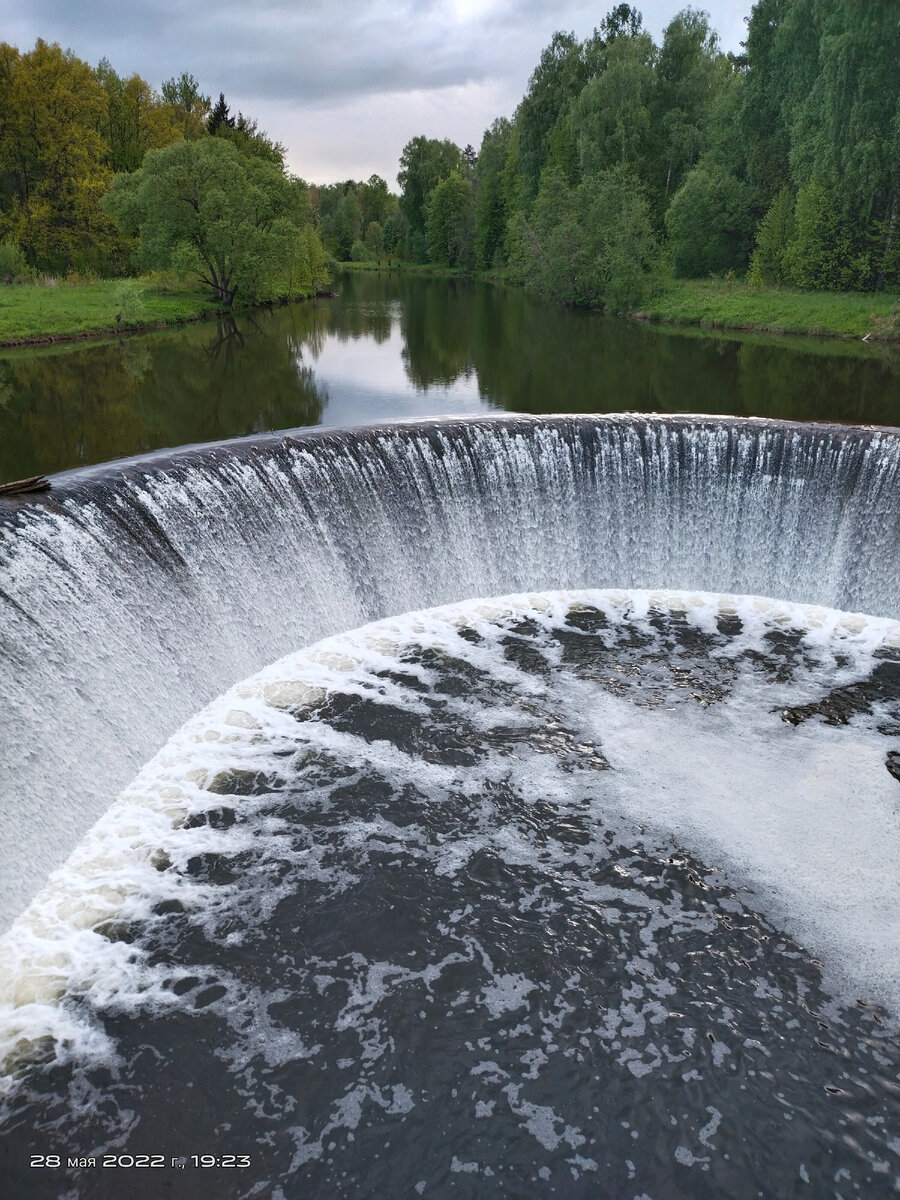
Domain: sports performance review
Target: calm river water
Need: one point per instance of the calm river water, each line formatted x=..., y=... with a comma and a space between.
x=393, y=346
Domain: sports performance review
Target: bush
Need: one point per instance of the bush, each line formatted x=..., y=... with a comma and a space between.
x=358, y=252
x=129, y=302
x=13, y=267
x=827, y=251
x=589, y=245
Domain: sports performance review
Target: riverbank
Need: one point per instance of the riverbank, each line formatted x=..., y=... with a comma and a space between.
x=39, y=315
x=733, y=304
x=33, y=314
x=730, y=304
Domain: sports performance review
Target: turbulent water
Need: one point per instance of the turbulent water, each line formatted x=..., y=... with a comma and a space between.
x=557, y=894
x=580, y=894
x=131, y=597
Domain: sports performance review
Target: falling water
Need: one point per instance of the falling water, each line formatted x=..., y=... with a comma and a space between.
x=134, y=593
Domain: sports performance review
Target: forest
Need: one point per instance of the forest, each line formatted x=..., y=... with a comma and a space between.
x=102, y=176
x=626, y=164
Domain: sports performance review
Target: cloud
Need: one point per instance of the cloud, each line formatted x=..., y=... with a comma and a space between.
x=303, y=68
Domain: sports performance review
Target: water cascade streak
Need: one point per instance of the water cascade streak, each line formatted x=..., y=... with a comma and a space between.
x=132, y=594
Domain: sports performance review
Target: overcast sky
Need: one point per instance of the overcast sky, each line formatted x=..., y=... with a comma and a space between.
x=344, y=84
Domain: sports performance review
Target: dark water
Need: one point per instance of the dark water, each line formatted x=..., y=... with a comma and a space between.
x=398, y=346
x=417, y=934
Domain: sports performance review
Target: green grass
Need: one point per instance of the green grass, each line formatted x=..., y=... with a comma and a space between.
x=35, y=312
x=726, y=304
x=38, y=313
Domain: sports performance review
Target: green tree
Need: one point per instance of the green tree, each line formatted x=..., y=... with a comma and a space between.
x=375, y=200
x=687, y=77
x=348, y=223
x=395, y=230
x=220, y=117
x=190, y=107
x=708, y=222
x=774, y=235
x=375, y=241
x=449, y=227
x=491, y=208
x=591, y=245
x=424, y=162
x=820, y=254
x=136, y=119
x=626, y=254
x=235, y=220
x=763, y=117
x=846, y=128
x=52, y=169
x=13, y=264
x=611, y=118
x=622, y=21
x=564, y=68
x=723, y=135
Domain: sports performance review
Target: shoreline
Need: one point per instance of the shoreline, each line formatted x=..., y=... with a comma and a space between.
x=189, y=313
x=719, y=306
x=105, y=331
x=732, y=306
x=723, y=304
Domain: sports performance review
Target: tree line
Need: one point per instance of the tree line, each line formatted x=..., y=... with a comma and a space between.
x=627, y=161
x=100, y=174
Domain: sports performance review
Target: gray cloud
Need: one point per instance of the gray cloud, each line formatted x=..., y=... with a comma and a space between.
x=312, y=60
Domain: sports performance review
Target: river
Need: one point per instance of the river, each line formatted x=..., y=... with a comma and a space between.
x=392, y=346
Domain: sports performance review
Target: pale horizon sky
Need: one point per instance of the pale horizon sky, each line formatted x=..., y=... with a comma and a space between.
x=344, y=87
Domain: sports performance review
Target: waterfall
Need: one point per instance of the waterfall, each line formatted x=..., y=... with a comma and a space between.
x=133, y=593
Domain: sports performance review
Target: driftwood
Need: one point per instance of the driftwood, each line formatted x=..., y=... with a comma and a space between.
x=35, y=483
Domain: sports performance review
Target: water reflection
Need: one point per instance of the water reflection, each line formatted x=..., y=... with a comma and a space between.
x=398, y=346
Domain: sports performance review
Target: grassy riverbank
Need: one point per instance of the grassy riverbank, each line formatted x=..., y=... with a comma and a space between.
x=41, y=313
x=730, y=304
x=733, y=305
x=37, y=314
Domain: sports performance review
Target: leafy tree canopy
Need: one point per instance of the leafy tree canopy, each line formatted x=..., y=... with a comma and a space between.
x=235, y=220
x=53, y=162
x=449, y=226
x=136, y=119
x=189, y=105
x=424, y=162
x=708, y=223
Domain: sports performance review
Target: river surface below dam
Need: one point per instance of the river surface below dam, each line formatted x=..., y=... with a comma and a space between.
x=391, y=346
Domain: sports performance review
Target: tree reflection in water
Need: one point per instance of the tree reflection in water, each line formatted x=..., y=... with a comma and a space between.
x=259, y=370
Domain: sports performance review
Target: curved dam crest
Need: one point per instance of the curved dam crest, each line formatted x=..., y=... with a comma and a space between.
x=132, y=594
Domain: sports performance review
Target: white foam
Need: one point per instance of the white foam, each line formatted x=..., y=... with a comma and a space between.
x=806, y=816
